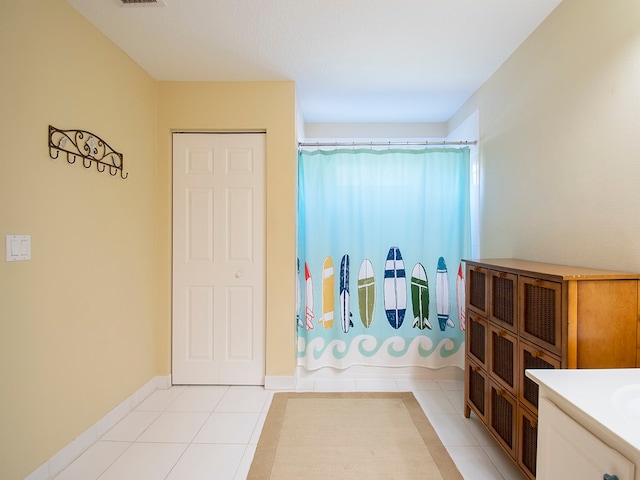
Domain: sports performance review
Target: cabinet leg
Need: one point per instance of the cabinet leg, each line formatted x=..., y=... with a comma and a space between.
x=467, y=410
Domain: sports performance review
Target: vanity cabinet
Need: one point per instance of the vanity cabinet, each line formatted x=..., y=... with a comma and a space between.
x=568, y=450
x=523, y=315
x=588, y=423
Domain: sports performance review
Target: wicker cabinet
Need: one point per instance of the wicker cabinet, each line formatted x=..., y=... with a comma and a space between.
x=523, y=315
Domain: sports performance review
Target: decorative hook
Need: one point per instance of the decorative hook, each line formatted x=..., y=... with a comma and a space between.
x=88, y=146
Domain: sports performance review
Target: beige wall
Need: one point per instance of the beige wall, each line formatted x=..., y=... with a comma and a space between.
x=559, y=143
x=78, y=330
x=266, y=106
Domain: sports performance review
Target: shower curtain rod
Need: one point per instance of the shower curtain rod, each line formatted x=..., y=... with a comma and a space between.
x=385, y=144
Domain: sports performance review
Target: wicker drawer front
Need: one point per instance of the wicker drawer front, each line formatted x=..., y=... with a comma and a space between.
x=477, y=384
x=477, y=286
x=533, y=357
x=502, y=417
x=540, y=312
x=503, y=359
x=504, y=299
x=477, y=334
x=527, y=441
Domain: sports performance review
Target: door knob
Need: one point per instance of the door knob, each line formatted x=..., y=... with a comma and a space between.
x=238, y=274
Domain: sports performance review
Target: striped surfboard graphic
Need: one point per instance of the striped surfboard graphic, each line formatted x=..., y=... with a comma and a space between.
x=395, y=288
x=345, y=299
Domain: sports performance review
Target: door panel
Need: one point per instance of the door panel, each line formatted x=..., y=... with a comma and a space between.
x=199, y=227
x=218, y=258
x=200, y=310
x=240, y=215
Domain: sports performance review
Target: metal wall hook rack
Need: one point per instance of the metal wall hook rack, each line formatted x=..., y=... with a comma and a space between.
x=87, y=146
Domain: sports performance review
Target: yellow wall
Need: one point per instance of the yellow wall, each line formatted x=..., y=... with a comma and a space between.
x=87, y=321
x=270, y=106
x=78, y=321
x=559, y=143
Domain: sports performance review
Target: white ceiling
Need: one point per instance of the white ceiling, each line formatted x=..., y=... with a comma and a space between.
x=352, y=60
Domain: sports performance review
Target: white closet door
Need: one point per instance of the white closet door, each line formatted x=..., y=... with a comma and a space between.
x=218, y=258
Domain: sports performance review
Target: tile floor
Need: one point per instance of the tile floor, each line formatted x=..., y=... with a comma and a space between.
x=211, y=432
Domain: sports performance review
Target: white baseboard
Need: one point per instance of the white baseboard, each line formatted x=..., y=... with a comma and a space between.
x=273, y=382
x=82, y=442
x=163, y=382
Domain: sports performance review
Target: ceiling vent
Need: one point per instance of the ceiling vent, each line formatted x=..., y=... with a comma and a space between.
x=144, y=2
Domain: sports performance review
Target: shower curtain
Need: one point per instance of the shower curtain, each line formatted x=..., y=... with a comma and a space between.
x=381, y=235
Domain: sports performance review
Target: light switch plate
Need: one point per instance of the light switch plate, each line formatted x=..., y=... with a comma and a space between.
x=18, y=247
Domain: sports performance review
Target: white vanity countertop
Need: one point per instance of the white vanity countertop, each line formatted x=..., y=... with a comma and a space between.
x=611, y=397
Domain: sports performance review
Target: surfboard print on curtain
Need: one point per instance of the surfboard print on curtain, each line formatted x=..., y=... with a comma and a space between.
x=395, y=288
x=366, y=292
x=345, y=300
x=328, y=294
x=308, y=298
x=443, y=302
x=299, y=322
x=420, y=297
x=460, y=299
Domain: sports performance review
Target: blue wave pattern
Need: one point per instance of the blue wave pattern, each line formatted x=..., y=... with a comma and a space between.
x=392, y=351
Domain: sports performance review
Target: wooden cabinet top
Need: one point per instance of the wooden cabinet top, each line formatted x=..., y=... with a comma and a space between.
x=558, y=272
